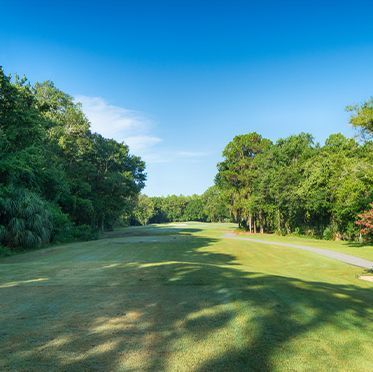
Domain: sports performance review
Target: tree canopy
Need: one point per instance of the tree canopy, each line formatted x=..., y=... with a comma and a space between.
x=297, y=186
x=58, y=180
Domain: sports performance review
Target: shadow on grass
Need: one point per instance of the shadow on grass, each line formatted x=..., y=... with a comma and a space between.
x=157, y=309
x=359, y=245
x=148, y=230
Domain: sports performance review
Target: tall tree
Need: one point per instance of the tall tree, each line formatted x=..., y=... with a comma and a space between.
x=144, y=209
x=362, y=118
x=237, y=174
x=50, y=161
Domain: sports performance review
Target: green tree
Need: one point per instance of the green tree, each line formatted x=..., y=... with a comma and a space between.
x=50, y=160
x=118, y=177
x=194, y=210
x=215, y=205
x=362, y=118
x=144, y=209
x=237, y=174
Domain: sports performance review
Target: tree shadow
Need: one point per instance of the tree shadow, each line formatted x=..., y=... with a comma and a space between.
x=149, y=230
x=359, y=245
x=165, y=302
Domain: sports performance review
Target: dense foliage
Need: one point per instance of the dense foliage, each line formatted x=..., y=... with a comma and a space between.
x=362, y=118
x=58, y=180
x=208, y=207
x=291, y=186
x=297, y=186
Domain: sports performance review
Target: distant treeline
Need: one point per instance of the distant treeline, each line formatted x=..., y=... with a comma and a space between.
x=58, y=180
x=208, y=207
x=291, y=186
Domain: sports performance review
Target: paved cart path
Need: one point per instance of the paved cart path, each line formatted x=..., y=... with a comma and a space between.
x=352, y=260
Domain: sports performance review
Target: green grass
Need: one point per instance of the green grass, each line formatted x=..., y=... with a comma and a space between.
x=355, y=249
x=181, y=298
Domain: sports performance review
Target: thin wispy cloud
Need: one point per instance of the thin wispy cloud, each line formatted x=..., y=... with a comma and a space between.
x=172, y=156
x=121, y=124
x=191, y=154
x=132, y=128
x=142, y=142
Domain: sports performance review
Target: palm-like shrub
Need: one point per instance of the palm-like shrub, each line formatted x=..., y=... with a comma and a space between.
x=24, y=219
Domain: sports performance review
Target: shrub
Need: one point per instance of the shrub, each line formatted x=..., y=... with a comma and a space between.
x=327, y=234
x=84, y=232
x=64, y=230
x=25, y=219
x=4, y=251
x=62, y=225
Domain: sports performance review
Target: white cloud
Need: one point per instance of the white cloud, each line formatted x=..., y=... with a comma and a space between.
x=191, y=154
x=171, y=156
x=142, y=142
x=119, y=123
x=132, y=128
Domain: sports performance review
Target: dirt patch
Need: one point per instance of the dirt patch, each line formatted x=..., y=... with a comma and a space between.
x=368, y=278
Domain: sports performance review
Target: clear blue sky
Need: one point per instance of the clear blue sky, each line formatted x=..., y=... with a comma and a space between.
x=177, y=80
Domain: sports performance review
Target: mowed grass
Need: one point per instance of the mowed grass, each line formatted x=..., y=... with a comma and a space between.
x=180, y=298
x=352, y=248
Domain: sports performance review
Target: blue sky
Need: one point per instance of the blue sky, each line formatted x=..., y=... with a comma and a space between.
x=177, y=80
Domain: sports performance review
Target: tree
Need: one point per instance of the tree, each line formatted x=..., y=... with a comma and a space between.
x=237, y=173
x=296, y=186
x=215, y=205
x=144, y=209
x=362, y=118
x=56, y=177
x=117, y=178
x=103, y=178
x=365, y=222
x=194, y=210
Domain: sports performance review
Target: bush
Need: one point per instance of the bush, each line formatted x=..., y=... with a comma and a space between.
x=84, y=232
x=64, y=230
x=327, y=234
x=4, y=251
x=25, y=219
x=62, y=225
x=297, y=231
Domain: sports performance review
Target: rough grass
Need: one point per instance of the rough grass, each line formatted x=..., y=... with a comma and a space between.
x=181, y=298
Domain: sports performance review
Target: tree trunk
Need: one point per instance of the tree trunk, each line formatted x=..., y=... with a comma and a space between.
x=278, y=220
x=261, y=222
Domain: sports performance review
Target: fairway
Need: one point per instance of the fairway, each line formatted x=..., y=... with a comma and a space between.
x=180, y=297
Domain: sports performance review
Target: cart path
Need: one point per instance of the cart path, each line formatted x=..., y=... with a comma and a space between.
x=352, y=260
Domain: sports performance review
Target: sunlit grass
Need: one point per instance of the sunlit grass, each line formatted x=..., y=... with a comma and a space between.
x=352, y=248
x=179, y=297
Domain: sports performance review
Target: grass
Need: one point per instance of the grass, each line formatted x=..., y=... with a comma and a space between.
x=352, y=248
x=181, y=298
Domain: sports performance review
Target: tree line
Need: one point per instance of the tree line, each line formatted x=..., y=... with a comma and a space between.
x=58, y=180
x=293, y=185
x=211, y=206
x=297, y=186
